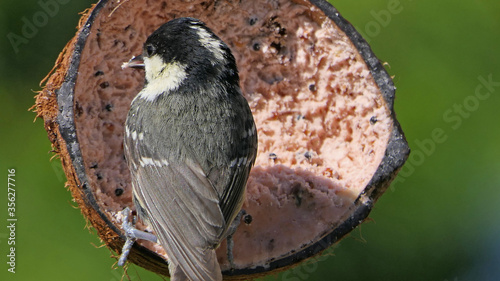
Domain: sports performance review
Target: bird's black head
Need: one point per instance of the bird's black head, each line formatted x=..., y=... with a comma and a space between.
x=185, y=48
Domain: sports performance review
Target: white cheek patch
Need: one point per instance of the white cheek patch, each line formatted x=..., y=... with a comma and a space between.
x=161, y=77
x=209, y=42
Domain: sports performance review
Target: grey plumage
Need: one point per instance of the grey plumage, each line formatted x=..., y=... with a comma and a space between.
x=190, y=143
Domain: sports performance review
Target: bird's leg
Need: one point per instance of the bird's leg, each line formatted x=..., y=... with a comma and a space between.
x=230, y=242
x=132, y=234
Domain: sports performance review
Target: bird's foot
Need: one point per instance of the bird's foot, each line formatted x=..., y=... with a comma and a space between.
x=230, y=242
x=132, y=234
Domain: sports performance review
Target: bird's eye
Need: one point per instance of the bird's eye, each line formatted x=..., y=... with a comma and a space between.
x=150, y=50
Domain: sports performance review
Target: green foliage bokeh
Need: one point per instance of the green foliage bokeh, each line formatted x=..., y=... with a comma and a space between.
x=438, y=221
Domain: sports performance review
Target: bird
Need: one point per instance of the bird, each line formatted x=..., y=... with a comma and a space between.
x=190, y=143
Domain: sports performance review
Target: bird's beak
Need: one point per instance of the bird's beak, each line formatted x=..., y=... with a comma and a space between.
x=134, y=62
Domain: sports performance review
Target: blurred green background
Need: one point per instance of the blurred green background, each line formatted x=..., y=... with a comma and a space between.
x=438, y=221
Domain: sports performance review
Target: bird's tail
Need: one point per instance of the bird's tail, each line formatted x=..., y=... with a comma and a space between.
x=208, y=271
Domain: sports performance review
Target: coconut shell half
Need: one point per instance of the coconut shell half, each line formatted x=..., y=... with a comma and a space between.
x=329, y=142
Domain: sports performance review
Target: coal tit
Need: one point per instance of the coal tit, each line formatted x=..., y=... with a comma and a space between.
x=190, y=142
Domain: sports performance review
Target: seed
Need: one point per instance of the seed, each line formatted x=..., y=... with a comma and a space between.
x=118, y=191
x=247, y=219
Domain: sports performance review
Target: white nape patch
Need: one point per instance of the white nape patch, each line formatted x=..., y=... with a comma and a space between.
x=127, y=131
x=209, y=42
x=161, y=78
x=147, y=161
x=134, y=135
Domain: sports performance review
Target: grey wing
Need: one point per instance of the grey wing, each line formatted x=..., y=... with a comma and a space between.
x=233, y=196
x=187, y=219
x=232, y=186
